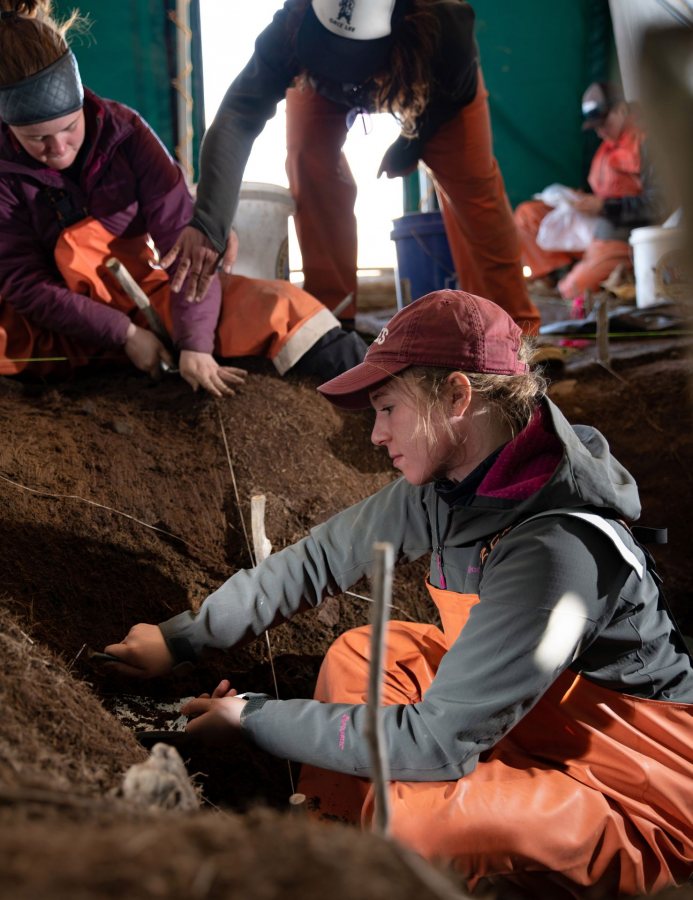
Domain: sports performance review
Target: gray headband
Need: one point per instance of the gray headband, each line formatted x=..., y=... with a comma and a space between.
x=49, y=94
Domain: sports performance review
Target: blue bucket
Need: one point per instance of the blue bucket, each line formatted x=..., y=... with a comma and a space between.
x=423, y=255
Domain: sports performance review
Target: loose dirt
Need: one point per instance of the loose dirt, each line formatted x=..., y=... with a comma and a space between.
x=124, y=501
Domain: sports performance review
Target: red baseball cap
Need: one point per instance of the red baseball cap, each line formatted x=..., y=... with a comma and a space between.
x=446, y=329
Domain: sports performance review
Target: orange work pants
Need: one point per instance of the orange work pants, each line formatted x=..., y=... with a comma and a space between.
x=592, y=787
x=477, y=215
x=80, y=254
x=590, y=268
x=324, y=192
x=478, y=218
x=528, y=217
x=595, y=266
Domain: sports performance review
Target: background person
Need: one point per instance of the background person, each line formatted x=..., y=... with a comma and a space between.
x=624, y=196
x=83, y=179
x=414, y=58
x=558, y=686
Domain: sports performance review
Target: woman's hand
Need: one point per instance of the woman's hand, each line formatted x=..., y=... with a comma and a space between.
x=145, y=351
x=215, y=718
x=589, y=204
x=202, y=370
x=143, y=651
x=198, y=261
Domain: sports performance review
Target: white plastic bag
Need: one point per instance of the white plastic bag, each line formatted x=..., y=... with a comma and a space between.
x=556, y=194
x=564, y=228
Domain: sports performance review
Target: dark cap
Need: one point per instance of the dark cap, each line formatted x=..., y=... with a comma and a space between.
x=446, y=329
x=345, y=40
x=597, y=102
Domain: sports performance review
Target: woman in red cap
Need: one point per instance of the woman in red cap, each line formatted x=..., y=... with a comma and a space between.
x=83, y=179
x=333, y=59
x=544, y=733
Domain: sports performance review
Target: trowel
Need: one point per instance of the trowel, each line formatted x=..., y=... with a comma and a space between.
x=138, y=296
x=151, y=720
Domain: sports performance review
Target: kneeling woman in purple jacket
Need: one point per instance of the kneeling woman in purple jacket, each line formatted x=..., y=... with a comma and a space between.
x=84, y=179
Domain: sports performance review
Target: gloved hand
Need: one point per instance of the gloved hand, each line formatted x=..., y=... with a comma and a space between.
x=401, y=158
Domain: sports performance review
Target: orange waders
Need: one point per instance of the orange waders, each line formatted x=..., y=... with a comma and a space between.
x=590, y=787
x=271, y=318
x=614, y=172
x=80, y=254
x=598, y=262
x=595, y=264
x=325, y=192
x=478, y=218
x=528, y=218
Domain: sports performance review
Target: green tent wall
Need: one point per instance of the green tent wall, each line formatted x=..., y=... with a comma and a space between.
x=129, y=54
x=538, y=57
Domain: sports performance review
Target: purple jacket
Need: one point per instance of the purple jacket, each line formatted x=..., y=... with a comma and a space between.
x=130, y=183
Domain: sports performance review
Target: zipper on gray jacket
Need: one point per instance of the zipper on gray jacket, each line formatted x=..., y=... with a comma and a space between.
x=439, y=547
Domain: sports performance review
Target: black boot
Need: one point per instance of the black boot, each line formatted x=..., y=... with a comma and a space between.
x=334, y=353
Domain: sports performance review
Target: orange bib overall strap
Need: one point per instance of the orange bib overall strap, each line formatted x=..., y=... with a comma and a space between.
x=81, y=253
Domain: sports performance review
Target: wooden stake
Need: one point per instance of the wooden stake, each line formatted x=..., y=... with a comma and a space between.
x=261, y=550
x=297, y=804
x=602, y=308
x=261, y=545
x=383, y=563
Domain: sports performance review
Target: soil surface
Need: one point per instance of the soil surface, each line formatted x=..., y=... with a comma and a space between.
x=125, y=500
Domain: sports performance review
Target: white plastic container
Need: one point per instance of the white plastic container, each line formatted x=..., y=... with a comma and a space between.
x=262, y=225
x=659, y=265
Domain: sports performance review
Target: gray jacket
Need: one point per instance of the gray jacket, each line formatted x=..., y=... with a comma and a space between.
x=622, y=636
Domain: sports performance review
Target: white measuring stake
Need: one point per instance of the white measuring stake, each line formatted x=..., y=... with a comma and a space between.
x=261, y=544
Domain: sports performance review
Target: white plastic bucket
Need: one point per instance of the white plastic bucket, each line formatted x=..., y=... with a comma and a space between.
x=659, y=265
x=262, y=225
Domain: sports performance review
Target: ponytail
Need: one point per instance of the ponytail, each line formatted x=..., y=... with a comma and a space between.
x=30, y=38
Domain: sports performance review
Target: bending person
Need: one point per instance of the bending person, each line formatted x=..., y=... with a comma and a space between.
x=83, y=179
x=331, y=60
x=558, y=685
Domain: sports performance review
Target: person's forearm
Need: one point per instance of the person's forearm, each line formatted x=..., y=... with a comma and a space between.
x=333, y=557
x=225, y=151
x=57, y=309
x=249, y=102
x=194, y=324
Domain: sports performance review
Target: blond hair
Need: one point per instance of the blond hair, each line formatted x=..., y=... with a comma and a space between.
x=30, y=38
x=512, y=398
